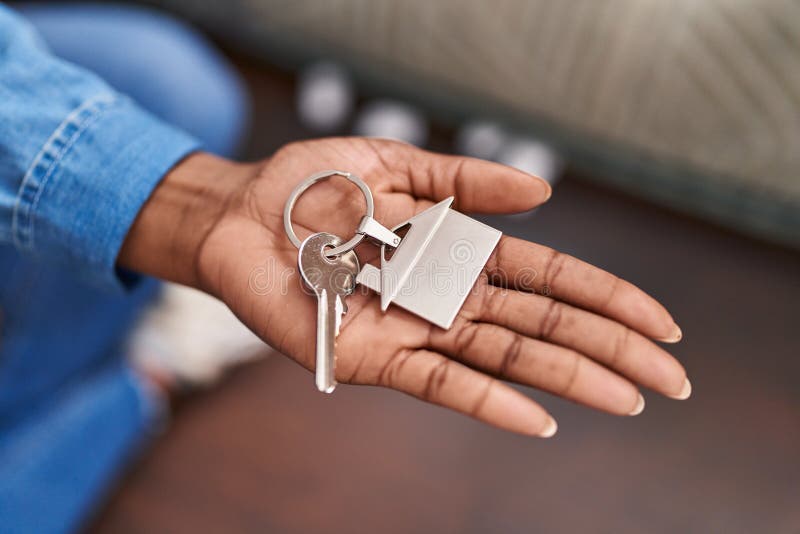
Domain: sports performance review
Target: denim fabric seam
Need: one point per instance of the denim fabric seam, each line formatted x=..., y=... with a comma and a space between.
x=46, y=163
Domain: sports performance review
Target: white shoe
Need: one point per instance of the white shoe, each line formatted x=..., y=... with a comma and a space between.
x=189, y=338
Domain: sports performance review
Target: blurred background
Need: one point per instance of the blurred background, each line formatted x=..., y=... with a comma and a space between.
x=671, y=134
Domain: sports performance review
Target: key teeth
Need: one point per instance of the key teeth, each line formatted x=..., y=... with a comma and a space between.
x=342, y=309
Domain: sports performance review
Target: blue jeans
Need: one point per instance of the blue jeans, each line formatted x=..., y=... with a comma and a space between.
x=72, y=414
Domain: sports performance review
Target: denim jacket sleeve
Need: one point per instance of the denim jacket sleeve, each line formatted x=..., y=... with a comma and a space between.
x=77, y=159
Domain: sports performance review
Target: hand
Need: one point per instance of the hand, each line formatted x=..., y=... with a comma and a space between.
x=213, y=223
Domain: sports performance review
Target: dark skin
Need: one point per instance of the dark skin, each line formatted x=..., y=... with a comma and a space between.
x=572, y=329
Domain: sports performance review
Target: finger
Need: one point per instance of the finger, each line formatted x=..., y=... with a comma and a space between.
x=477, y=185
x=432, y=377
x=606, y=341
x=530, y=267
x=564, y=372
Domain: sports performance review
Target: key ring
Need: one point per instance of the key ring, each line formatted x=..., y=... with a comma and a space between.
x=318, y=177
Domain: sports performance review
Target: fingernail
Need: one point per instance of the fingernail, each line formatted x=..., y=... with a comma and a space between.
x=639, y=408
x=674, y=337
x=686, y=391
x=549, y=429
x=549, y=192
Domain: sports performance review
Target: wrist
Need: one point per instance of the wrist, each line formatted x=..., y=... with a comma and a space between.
x=169, y=231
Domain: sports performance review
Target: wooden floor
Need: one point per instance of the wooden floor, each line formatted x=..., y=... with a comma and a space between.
x=264, y=452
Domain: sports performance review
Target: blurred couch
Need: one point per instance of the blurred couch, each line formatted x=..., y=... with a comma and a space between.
x=695, y=105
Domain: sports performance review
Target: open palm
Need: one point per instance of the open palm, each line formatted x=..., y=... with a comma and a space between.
x=567, y=327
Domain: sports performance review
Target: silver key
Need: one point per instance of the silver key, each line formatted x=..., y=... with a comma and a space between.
x=331, y=279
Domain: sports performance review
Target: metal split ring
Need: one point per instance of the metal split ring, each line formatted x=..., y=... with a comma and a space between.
x=308, y=182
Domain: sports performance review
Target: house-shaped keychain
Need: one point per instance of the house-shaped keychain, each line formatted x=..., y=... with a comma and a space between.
x=436, y=264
